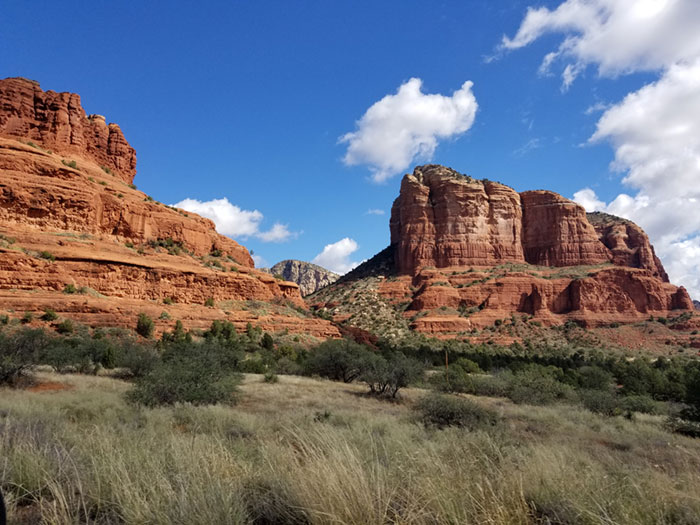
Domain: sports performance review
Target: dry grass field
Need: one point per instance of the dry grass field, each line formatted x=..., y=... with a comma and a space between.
x=312, y=451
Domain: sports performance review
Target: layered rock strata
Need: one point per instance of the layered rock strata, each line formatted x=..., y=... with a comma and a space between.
x=443, y=218
x=59, y=123
x=72, y=221
x=466, y=254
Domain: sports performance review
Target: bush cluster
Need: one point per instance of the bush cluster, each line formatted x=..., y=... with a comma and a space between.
x=347, y=361
x=440, y=410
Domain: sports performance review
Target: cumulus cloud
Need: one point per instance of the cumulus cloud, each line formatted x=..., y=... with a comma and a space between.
x=406, y=126
x=235, y=222
x=654, y=131
x=619, y=36
x=589, y=200
x=336, y=257
x=278, y=233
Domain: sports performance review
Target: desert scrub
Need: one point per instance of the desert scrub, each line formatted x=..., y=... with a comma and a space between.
x=270, y=460
x=49, y=315
x=145, y=326
x=441, y=411
x=201, y=374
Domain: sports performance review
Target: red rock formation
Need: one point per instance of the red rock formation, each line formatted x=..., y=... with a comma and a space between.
x=442, y=218
x=470, y=254
x=628, y=243
x=78, y=224
x=58, y=122
x=557, y=233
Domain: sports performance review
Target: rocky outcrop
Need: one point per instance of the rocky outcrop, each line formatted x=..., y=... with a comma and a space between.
x=627, y=243
x=468, y=255
x=310, y=277
x=443, y=218
x=70, y=222
x=57, y=122
x=557, y=233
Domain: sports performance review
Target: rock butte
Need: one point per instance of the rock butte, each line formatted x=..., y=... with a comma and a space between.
x=69, y=215
x=467, y=252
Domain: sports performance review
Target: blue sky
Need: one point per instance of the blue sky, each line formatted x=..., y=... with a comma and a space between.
x=247, y=101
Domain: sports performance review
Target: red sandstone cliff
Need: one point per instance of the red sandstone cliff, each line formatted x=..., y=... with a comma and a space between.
x=467, y=253
x=58, y=122
x=443, y=218
x=69, y=215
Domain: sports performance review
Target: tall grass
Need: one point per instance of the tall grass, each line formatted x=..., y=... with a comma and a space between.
x=85, y=456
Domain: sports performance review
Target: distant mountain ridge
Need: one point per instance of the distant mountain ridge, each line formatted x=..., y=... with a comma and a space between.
x=310, y=277
x=696, y=304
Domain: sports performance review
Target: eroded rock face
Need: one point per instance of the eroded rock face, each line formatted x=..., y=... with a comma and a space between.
x=442, y=218
x=557, y=233
x=627, y=242
x=310, y=277
x=57, y=122
x=469, y=255
x=87, y=228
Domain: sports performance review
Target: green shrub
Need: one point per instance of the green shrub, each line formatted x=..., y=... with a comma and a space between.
x=28, y=317
x=137, y=359
x=468, y=366
x=19, y=353
x=454, y=379
x=145, y=326
x=47, y=255
x=4, y=319
x=439, y=410
x=593, y=378
x=168, y=300
x=388, y=376
x=49, y=315
x=164, y=315
x=209, y=302
x=270, y=377
x=536, y=385
x=641, y=404
x=267, y=342
x=337, y=359
x=65, y=327
x=603, y=402
x=70, y=164
x=198, y=374
x=70, y=289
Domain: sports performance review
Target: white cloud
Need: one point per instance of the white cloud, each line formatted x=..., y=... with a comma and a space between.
x=336, y=257
x=407, y=125
x=589, y=200
x=278, y=233
x=233, y=221
x=375, y=211
x=619, y=36
x=654, y=131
